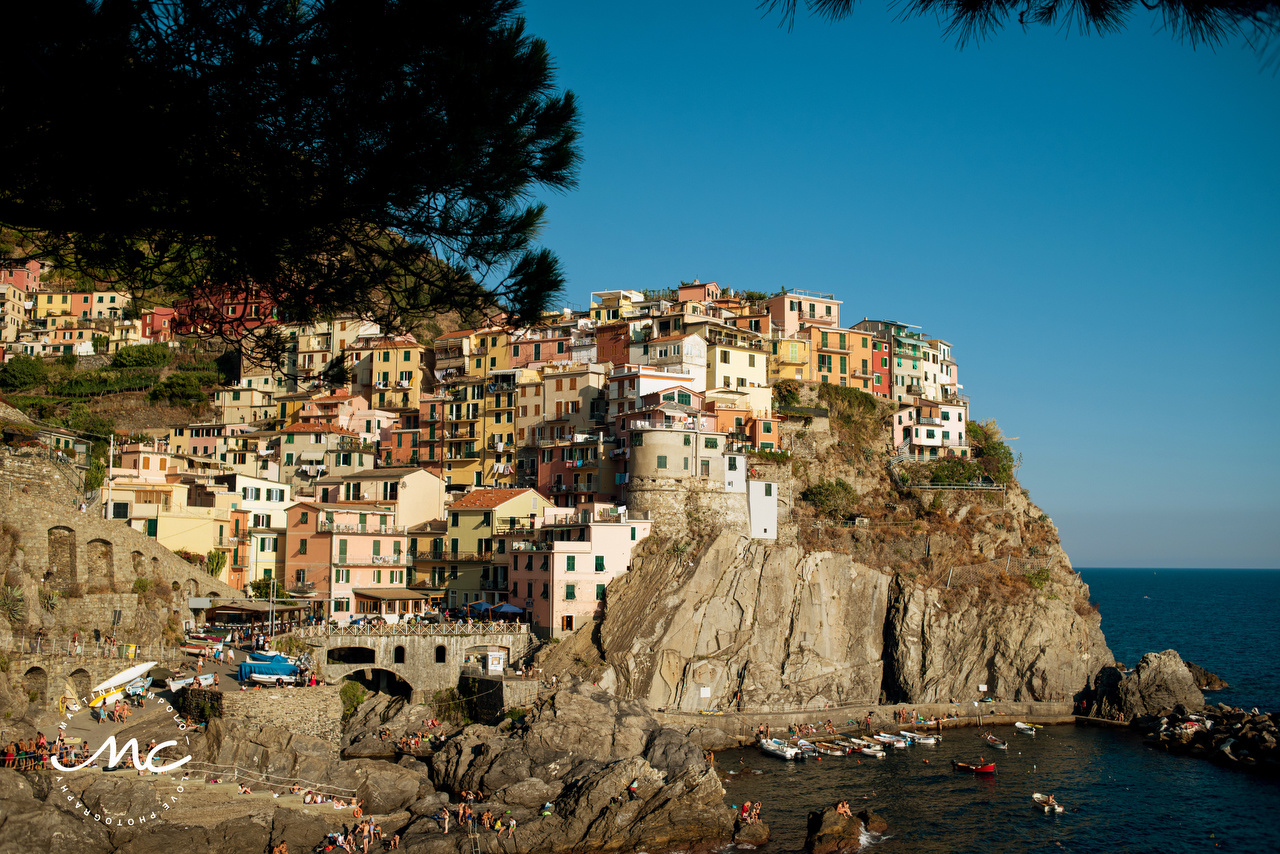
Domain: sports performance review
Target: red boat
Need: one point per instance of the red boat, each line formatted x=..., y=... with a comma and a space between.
x=989, y=768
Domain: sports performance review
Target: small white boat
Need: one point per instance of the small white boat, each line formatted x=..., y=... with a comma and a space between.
x=112, y=689
x=826, y=748
x=891, y=740
x=806, y=747
x=918, y=738
x=271, y=679
x=204, y=680
x=996, y=742
x=1025, y=729
x=868, y=748
x=779, y=748
x=1042, y=801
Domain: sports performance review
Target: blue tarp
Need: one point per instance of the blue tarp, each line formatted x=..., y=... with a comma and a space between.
x=268, y=657
x=265, y=668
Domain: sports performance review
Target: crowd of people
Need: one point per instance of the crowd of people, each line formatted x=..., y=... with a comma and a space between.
x=749, y=813
x=34, y=754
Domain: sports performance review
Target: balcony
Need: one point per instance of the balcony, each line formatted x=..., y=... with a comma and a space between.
x=370, y=560
x=454, y=362
x=461, y=557
x=508, y=529
x=928, y=420
x=342, y=528
x=915, y=389
x=705, y=426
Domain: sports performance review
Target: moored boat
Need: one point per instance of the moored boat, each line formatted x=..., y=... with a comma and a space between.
x=891, y=740
x=1044, y=802
x=1025, y=729
x=826, y=748
x=273, y=678
x=997, y=743
x=203, y=680
x=988, y=768
x=779, y=748
x=918, y=738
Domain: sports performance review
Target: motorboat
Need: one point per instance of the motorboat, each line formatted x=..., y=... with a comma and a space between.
x=890, y=739
x=826, y=748
x=1043, y=802
x=987, y=768
x=781, y=749
x=918, y=738
x=1025, y=729
x=273, y=678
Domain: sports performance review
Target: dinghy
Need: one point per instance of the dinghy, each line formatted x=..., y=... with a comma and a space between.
x=918, y=738
x=1042, y=801
x=997, y=743
x=1025, y=729
x=779, y=748
x=988, y=768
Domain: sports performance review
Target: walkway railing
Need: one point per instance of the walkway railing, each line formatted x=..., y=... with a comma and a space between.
x=408, y=629
x=64, y=647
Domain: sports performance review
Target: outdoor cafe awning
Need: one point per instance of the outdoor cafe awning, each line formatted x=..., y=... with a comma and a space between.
x=386, y=594
x=250, y=607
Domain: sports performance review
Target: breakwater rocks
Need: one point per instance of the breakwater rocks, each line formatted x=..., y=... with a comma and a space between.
x=1226, y=736
x=832, y=833
x=1159, y=683
x=1205, y=680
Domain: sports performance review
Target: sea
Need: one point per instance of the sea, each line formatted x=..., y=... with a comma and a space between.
x=1120, y=796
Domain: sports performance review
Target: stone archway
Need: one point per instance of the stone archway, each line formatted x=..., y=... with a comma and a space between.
x=100, y=565
x=351, y=655
x=62, y=557
x=442, y=654
x=36, y=683
x=81, y=681
x=139, y=564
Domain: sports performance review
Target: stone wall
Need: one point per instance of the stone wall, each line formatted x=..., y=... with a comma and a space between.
x=494, y=695
x=316, y=712
x=688, y=506
x=34, y=472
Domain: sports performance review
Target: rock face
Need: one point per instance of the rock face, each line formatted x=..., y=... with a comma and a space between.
x=832, y=833
x=784, y=628
x=1230, y=737
x=1160, y=683
x=581, y=750
x=1205, y=680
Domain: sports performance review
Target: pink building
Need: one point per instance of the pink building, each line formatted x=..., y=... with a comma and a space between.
x=561, y=573
x=157, y=325
x=353, y=555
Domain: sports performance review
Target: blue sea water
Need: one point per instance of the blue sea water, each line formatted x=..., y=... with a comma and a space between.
x=1121, y=796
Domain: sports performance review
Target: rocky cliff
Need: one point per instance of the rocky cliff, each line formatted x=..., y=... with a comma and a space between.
x=933, y=593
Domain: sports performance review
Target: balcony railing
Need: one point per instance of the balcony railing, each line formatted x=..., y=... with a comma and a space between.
x=461, y=557
x=371, y=560
x=344, y=528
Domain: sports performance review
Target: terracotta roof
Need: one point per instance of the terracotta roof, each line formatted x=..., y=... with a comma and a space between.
x=489, y=499
x=679, y=337
x=461, y=333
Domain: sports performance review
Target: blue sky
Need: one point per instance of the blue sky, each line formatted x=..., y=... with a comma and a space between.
x=1093, y=223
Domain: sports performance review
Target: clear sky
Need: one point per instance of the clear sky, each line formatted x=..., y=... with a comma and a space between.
x=1080, y=217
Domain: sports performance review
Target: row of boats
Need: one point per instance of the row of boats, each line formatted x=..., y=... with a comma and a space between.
x=799, y=748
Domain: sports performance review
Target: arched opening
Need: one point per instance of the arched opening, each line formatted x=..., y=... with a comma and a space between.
x=351, y=655
x=399, y=657
x=155, y=566
x=139, y=563
x=193, y=587
x=442, y=654
x=81, y=681
x=36, y=683
x=62, y=557
x=176, y=587
x=100, y=565
x=382, y=681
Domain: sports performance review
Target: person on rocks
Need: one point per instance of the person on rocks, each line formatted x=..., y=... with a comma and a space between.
x=511, y=826
x=631, y=790
x=843, y=809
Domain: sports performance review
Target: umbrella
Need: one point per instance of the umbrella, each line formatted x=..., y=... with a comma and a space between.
x=508, y=608
x=480, y=606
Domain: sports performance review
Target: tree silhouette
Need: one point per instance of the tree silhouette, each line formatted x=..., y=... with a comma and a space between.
x=1198, y=21
x=378, y=157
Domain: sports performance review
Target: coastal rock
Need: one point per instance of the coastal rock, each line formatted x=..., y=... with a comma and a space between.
x=756, y=834
x=1205, y=680
x=27, y=824
x=768, y=626
x=581, y=749
x=832, y=833
x=1159, y=683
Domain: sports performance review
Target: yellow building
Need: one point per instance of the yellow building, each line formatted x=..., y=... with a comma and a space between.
x=741, y=368
x=387, y=370
x=467, y=560
x=96, y=304
x=788, y=359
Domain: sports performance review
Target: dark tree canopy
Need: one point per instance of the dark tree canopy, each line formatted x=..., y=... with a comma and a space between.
x=1198, y=21
x=374, y=156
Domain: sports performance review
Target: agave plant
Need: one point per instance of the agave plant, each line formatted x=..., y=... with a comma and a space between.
x=49, y=600
x=13, y=605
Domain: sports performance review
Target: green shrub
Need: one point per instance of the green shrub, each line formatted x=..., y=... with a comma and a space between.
x=1038, y=578
x=141, y=585
x=179, y=390
x=352, y=695
x=22, y=372
x=835, y=498
x=142, y=356
x=13, y=605
x=49, y=600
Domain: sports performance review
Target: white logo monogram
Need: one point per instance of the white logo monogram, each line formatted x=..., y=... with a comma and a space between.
x=115, y=755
